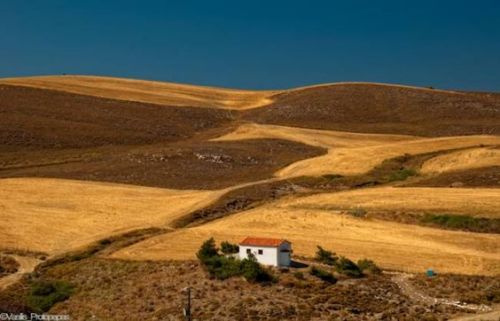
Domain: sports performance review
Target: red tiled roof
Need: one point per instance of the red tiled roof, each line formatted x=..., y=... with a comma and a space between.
x=261, y=241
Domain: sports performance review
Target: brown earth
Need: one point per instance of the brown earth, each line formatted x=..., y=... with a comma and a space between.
x=465, y=288
x=46, y=119
x=8, y=265
x=374, y=108
x=192, y=165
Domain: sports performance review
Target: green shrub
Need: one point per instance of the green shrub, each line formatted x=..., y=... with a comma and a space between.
x=207, y=250
x=348, y=267
x=252, y=271
x=357, y=212
x=332, y=176
x=462, y=222
x=323, y=275
x=222, y=267
x=229, y=248
x=369, y=266
x=324, y=256
x=402, y=174
x=43, y=294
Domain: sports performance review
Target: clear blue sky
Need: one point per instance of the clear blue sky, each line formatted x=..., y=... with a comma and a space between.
x=257, y=44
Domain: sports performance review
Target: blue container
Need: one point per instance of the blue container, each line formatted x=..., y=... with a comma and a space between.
x=430, y=273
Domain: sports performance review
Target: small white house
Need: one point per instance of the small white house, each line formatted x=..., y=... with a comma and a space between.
x=267, y=251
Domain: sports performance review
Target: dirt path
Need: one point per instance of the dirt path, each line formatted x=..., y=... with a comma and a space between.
x=489, y=316
x=402, y=280
x=26, y=265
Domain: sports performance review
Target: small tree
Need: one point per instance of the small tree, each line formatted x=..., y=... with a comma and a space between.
x=348, y=267
x=207, y=250
x=229, y=248
x=253, y=271
x=324, y=256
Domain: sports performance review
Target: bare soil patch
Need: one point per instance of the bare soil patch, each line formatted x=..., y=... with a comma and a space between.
x=192, y=165
x=34, y=118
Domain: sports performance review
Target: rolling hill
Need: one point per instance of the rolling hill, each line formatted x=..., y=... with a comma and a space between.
x=100, y=171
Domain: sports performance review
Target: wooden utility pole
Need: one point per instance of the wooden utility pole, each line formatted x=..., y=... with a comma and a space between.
x=187, y=308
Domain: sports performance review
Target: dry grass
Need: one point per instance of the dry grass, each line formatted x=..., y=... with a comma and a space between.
x=149, y=91
x=479, y=202
x=352, y=153
x=392, y=245
x=315, y=137
x=55, y=215
x=463, y=160
x=359, y=160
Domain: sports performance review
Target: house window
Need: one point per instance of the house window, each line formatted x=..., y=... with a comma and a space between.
x=260, y=252
x=249, y=251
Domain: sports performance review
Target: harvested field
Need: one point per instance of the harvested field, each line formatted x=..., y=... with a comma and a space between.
x=314, y=137
x=471, y=201
x=191, y=165
x=388, y=243
x=389, y=109
x=54, y=215
x=359, y=160
x=352, y=153
x=155, y=92
x=463, y=160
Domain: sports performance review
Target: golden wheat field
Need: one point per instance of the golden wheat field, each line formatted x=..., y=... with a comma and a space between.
x=480, y=202
x=148, y=91
x=392, y=245
x=460, y=160
x=56, y=215
x=357, y=153
x=359, y=160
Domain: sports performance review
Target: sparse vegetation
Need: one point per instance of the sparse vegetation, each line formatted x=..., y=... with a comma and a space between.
x=44, y=294
x=402, y=174
x=368, y=266
x=332, y=177
x=323, y=275
x=357, y=212
x=462, y=222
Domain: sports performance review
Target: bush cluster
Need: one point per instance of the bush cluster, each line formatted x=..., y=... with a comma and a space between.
x=345, y=266
x=222, y=267
x=402, y=174
x=348, y=267
x=368, y=266
x=462, y=222
x=229, y=248
x=44, y=294
x=323, y=275
x=325, y=257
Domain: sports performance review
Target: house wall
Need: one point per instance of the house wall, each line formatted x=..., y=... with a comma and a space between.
x=269, y=255
x=284, y=254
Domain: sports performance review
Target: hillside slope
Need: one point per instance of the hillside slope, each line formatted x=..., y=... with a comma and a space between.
x=379, y=108
x=155, y=92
